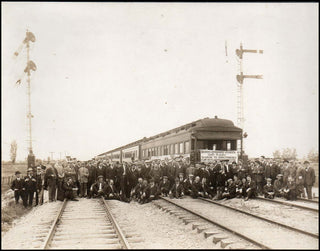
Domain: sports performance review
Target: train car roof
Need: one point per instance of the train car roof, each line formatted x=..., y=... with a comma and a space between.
x=201, y=124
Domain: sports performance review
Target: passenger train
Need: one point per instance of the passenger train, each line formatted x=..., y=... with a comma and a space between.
x=203, y=140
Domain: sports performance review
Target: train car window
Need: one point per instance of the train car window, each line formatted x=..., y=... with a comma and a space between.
x=181, y=148
x=187, y=147
x=228, y=145
x=176, y=148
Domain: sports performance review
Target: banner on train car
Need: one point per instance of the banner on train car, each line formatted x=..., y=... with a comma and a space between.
x=211, y=155
x=172, y=156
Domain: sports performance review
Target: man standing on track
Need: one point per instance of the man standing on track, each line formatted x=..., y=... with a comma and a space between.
x=51, y=182
x=310, y=178
x=83, y=175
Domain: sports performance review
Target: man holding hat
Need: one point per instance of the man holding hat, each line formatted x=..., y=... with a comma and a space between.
x=18, y=186
x=31, y=187
x=310, y=178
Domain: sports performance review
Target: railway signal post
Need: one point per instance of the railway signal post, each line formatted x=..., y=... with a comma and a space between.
x=31, y=66
x=240, y=98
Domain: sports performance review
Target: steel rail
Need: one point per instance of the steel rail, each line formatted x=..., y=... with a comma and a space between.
x=54, y=226
x=262, y=218
x=307, y=200
x=288, y=204
x=120, y=234
x=219, y=225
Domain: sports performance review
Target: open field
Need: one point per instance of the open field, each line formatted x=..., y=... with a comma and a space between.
x=9, y=169
x=7, y=173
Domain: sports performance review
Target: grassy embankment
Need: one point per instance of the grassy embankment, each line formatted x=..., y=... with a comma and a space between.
x=9, y=210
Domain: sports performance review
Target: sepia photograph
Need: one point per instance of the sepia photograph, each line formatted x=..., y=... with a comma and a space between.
x=158, y=125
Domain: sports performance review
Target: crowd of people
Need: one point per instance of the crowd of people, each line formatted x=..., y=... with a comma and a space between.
x=144, y=181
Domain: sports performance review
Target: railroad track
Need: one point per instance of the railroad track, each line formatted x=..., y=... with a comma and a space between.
x=85, y=224
x=262, y=218
x=312, y=205
x=227, y=237
x=315, y=201
x=260, y=232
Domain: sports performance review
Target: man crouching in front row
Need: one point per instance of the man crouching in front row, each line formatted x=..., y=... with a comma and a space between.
x=68, y=189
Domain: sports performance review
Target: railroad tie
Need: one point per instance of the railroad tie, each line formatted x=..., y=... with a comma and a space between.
x=218, y=237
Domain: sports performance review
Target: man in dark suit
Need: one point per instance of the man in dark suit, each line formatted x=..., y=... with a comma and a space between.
x=124, y=174
x=68, y=189
x=228, y=169
x=268, y=189
x=188, y=185
x=196, y=188
x=177, y=190
x=31, y=187
x=165, y=186
x=50, y=182
x=230, y=190
x=250, y=188
x=18, y=186
x=310, y=178
x=99, y=188
x=100, y=170
x=137, y=190
x=111, y=191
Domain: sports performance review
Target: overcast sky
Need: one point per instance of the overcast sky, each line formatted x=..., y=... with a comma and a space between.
x=111, y=73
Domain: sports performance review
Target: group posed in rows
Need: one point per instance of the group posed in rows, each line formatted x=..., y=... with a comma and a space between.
x=144, y=181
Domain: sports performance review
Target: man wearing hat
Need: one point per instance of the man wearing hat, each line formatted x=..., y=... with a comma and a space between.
x=188, y=185
x=39, y=192
x=278, y=186
x=18, y=186
x=300, y=179
x=50, y=182
x=99, y=188
x=68, y=189
x=177, y=190
x=310, y=178
x=31, y=187
x=164, y=186
x=285, y=171
x=153, y=191
x=268, y=189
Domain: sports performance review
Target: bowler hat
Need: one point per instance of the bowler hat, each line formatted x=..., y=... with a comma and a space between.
x=306, y=162
x=100, y=176
x=17, y=172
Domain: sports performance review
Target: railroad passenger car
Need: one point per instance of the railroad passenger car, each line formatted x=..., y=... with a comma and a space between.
x=203, y=140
